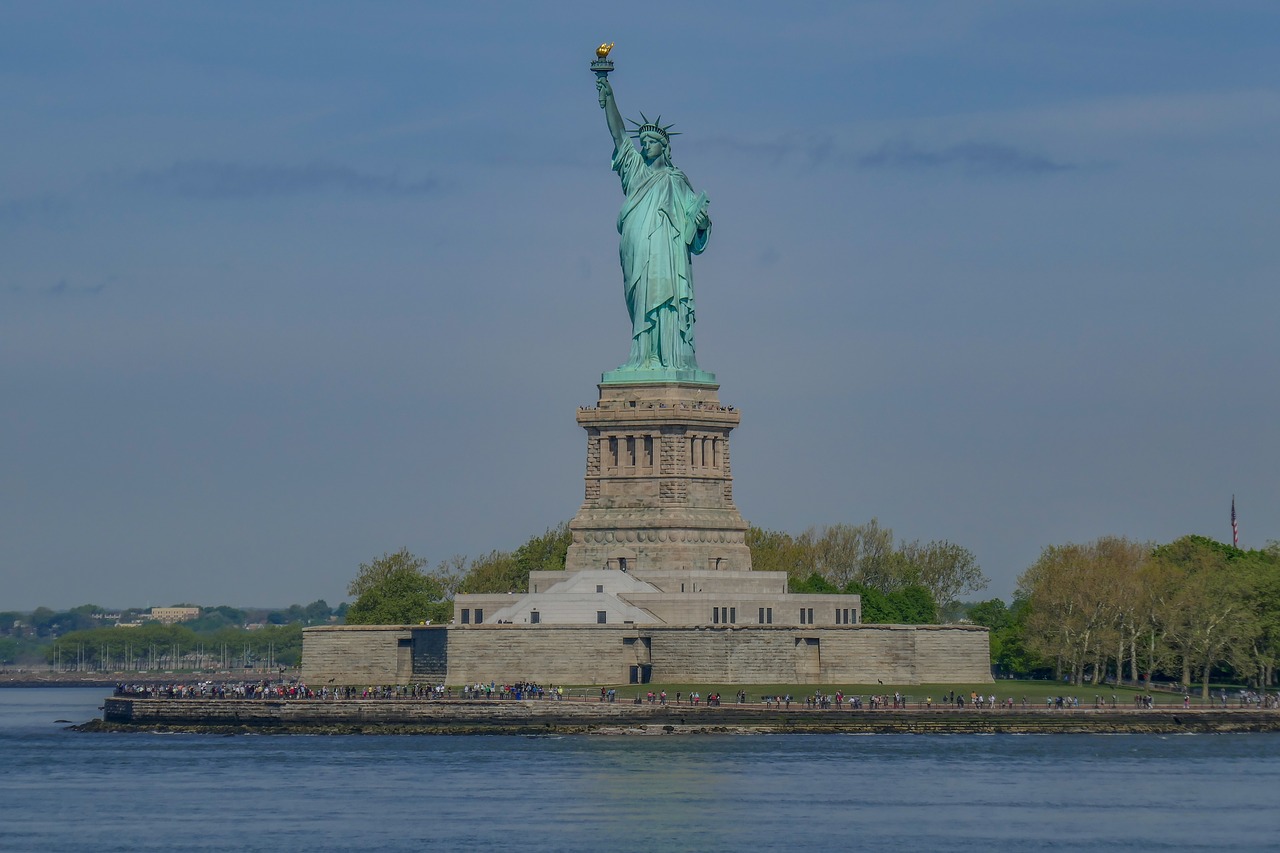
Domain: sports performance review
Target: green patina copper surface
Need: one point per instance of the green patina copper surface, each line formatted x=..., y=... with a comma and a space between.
x=663, y=224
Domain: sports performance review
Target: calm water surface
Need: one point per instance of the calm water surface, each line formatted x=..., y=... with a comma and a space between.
x=64, y=791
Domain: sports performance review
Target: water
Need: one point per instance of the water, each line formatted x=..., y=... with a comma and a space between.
x=65, y=791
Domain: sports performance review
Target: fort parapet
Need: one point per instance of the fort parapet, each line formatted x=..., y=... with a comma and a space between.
x=613, y=654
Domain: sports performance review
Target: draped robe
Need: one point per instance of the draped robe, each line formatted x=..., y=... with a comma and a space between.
x=658, y=239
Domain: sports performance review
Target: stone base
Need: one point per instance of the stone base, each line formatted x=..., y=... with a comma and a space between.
x=659, y=492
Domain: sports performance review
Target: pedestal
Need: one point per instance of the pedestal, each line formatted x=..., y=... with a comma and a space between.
x=659, y=488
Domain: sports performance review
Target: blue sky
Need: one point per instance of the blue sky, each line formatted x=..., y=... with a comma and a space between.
x=285, y=286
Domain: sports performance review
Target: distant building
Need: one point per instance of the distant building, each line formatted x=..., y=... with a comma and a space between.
x=170, y=615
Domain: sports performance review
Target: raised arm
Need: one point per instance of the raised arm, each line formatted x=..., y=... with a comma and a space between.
x=611, y=115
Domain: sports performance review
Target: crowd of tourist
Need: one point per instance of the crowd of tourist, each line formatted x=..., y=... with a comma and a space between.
x=529, y=690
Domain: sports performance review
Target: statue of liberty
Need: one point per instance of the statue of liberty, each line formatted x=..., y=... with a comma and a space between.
x=663, y=223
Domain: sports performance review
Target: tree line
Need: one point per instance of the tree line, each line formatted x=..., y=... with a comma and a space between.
x=396, y=588
x=904, y=582
x=1192, y=610
x=83, y=637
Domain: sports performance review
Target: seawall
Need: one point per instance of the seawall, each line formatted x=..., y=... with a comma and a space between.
x=442, y=716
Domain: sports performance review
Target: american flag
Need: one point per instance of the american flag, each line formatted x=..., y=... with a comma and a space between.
x=1235, y=528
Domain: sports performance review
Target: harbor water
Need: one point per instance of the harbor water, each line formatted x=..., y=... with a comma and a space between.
x=62, y=790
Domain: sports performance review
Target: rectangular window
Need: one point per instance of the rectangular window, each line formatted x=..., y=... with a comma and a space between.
x=479, y=616
x=768, y=616
x=599, y=587
x=466, y=616
x=613, y=452
x=838, y=622
x=733, y=616
x=648, y=451
x=761, y=615
x=601, y=616
x=802, y=622
x=534, y=617
x=810, y=615
x=715, y=616
x=631, y=451
x=622, y=564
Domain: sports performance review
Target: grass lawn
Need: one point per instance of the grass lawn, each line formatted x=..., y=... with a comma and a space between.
x=1036, y=692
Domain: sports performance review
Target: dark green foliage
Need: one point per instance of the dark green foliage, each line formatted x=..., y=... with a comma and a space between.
x=213, y=618
x=910, y=605
x=43, y=620
x=1009, y=653
x=915, y=605
x=496, y=572
x=393, y=590
x=877, y=608
x=9, y=647
x=545, y=553
x=814, y=583
x=176, y=647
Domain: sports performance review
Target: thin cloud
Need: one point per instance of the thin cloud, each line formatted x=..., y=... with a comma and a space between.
x=972, y=157
x=65, y=288
x=61, y=289
x=808, y=150
x=16, y=212
x=209, y=179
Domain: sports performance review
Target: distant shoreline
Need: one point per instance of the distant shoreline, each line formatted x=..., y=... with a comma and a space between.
x=545, y=717
x=35, y=678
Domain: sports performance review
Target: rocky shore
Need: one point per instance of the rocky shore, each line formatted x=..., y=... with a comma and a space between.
x=542, y=718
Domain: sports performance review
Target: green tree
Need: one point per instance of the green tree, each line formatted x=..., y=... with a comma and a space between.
x=877, y=607
x=545, y=553
x=915, y=605
x=1067, y=588
x=1206, y=614
x=775, y=551
x=1007, y=630
x=814, y=584
x=44, y=620
x=946, y=569
x=495, y=572
x=213, y=618
x=317, y=612
x=393, y=590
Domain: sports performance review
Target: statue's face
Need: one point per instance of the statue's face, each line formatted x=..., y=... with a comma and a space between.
x=652, y=146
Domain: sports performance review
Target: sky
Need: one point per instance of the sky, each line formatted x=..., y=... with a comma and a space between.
x=287, y=286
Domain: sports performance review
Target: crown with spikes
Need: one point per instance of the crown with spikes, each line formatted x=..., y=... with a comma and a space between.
x=655, y=126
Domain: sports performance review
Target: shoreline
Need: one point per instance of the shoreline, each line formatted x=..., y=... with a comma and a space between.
x=552, y=718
